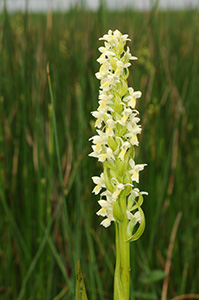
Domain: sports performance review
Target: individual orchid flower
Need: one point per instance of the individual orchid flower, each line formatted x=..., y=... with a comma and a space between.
x=135, y=169
x=131, y=98
x=99, y=181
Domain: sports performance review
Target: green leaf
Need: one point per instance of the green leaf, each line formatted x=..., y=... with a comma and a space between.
x=130, y=227
x=138, y=203
x=80, y=286
x=140, y=229
x=153, y=276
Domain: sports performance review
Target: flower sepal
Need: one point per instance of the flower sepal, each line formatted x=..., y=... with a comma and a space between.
x=112, y=143
x=113, y=63
x=117, y=213
x=107, y=180
x=122, y=87
x=120, y=47
x=122, y=167
x=121, y=129
x=117, y=107
x=128, y=186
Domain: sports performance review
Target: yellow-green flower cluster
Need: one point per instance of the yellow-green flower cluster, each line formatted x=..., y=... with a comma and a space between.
x=117, y=129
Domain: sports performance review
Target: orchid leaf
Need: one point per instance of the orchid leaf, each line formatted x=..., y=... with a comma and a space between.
x=80, y=286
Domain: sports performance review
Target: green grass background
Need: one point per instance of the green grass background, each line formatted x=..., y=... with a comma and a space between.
x=47, y=211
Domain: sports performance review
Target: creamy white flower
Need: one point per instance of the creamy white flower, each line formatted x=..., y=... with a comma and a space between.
x=118, y=188
x=120, y=68
x=99, y=181
x=126, y=113
x=103, y=57
x=101, y=138
x=105, y=97
x=125, y=37
x=108, y=82
x=103, y=49
x=132, y=134
x=110, y=126
x=134, y=120
x=97, y=149
x=133, y=127
x=104, y=107
x=107, y=153
x=108, y=195
x=113, y=80
x=102, y=212
x=129, y=55
x=131, y=99
x=106, y=211
x=134, y=172
x=131, y=198
x=137, y=192
x=122, y=65
x=106, y=208
x=99, y=116
x=114, y=37
x=107, y=222
x=125, y=146
x=104, y=69
x=103, y=60
x=106, y=52
x=110, y=154
x=135, y=216
x=117, y=36
x=107, y=37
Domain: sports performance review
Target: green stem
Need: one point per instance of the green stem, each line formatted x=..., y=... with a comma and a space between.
x=117, y=279
x=124, y=259
x=122, y=275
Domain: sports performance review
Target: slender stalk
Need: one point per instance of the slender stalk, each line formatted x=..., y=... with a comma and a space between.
x=117, y=279
x=122, y=274
x=124, y=260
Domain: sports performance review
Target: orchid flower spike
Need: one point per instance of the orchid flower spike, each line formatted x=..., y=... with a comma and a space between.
x=117, y=130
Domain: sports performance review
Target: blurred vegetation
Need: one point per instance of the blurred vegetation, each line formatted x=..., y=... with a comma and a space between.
x=48, y=218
